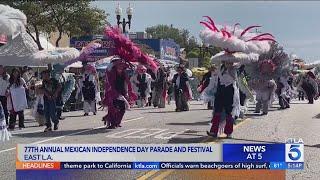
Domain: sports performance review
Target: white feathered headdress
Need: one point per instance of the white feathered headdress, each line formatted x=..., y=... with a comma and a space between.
x=232, y=40
x=12, y=21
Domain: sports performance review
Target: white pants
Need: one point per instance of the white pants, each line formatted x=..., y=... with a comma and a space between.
x=89, y=106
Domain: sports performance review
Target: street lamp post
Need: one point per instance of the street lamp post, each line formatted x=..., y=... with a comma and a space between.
x=124, y=22
x=203, y=49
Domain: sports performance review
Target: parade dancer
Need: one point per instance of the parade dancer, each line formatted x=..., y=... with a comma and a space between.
x=182, y=90
x=16, y=99
x=160, y=88
x=208, y=94
x=152, y=88
x=310, y=86
x=118, y=93
x=170, y=85
x=205, y=83
x=226, y=98
x=241, y=47
x=142, y=85
x=265, y=91
x=57, y=73
x=51, y=90
x=118, y=88
x=89, y=88
x=283, y=91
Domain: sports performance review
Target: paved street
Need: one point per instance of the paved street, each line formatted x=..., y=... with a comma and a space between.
x=150, y=125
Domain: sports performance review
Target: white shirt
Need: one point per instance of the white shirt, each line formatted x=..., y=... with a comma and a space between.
x=226, y=79
x=27, y=77
x=4, y=84
x=22, y=83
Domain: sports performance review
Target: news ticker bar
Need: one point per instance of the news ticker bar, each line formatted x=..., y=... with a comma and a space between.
x=158, y=165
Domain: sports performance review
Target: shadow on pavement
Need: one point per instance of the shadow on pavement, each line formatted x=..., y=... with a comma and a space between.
x=201, y=123
x=94, y=131
x=251, y=115
x=299, y=103
x=200, y=110
x=145, y=108
x=160, y=112
x=29, y=120
x=74, y=116
x=316, y=116
x=33, y=126
x=314, y=146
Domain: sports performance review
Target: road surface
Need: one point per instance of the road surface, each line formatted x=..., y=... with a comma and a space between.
x=152, y=125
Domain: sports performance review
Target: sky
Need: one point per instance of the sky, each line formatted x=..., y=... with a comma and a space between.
x=295, y=24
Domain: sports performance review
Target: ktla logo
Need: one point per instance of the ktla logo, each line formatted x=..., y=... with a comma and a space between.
x=294, y=150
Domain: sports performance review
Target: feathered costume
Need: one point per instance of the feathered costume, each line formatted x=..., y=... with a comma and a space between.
x=207, y=92
x=244, y=90
x=12, y=21
x=118, y=88
x=241, y=47
x=270, y=67
x=118, y=93
x=67, y=81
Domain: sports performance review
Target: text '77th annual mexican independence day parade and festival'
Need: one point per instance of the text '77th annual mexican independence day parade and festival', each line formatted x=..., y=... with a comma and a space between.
x=160, y=156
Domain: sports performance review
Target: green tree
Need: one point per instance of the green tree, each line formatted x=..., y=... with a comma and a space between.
x=74, y=17
x=204, y=56
x=180, y=36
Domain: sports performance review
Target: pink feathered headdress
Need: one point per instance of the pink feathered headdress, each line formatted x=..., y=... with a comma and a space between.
x=234, y=39
x=267, y=66
x=127, y=50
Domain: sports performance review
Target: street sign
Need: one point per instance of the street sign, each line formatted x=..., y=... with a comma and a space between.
x=107, y=46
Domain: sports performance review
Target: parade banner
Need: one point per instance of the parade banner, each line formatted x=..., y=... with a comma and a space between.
x=169, y=50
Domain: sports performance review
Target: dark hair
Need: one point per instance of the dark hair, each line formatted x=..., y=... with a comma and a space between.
x=16, y=81
x=4, y=74
x=44, y=72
